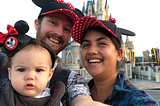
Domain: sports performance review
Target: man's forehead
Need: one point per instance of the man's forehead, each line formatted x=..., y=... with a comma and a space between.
x=62, y=17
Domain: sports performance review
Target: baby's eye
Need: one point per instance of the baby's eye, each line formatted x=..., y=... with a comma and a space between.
x=21, y=70
x=39, y=70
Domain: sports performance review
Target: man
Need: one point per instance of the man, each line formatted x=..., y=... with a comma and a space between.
x=54, y=26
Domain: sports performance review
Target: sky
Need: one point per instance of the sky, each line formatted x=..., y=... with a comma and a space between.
x=139, y=16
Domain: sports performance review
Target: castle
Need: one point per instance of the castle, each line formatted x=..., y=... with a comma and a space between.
x=71, y=54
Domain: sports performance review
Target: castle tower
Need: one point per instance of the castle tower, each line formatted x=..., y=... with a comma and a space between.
x=75, y=48
x=94, y=6
x=90, y=8
x=83, y=8
x=107, y=16
x=100, y=10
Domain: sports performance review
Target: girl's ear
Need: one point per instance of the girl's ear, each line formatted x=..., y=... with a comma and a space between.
x=9, y=73
x=50, y=74
x=120, y=53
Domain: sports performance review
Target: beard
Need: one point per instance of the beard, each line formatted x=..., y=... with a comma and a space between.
x=44, y=37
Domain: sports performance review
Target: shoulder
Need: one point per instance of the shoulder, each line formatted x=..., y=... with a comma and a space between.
x=76, y=78
x=76, y=86
x=129, y=93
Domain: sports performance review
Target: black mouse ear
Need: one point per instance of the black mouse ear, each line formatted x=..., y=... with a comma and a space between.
x=78, y=12
x=126, y=32
x=21, y=26
x=41, y=3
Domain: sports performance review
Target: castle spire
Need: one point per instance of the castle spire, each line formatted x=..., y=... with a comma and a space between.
x=106, y=4
x=93, y=2
x=90, y=8
x=83, y=8
x=94, y=6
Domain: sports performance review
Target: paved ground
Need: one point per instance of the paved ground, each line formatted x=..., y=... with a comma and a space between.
x=152, y=87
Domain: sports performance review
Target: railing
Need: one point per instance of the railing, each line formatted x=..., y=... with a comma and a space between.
x=146, y=71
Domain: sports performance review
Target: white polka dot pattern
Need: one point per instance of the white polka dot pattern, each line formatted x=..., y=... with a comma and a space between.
x=84, y=23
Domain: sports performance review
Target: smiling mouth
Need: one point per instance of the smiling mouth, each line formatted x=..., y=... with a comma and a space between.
x=54, y=40
x=95, y=61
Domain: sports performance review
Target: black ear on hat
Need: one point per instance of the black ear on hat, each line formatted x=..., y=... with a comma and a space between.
x=41, y=3
x=126, y=32
x=21, y=26
x=15, y=42
x=78, y=12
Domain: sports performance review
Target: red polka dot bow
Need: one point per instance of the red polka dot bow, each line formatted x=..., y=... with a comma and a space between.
x=113, y=20
x=11, y=31
x=69, y=4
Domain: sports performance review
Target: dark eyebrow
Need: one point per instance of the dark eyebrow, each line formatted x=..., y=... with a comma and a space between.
x=85, y=41
x=101, y=38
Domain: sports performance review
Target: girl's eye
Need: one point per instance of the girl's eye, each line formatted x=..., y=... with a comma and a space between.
x=85, y=45
x=21, y=70
x=102, y=43
x=39, y=70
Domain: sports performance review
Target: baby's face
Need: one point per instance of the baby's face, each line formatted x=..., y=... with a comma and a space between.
x=30, y=71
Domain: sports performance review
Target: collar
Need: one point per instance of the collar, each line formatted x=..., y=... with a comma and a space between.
x=119, y=85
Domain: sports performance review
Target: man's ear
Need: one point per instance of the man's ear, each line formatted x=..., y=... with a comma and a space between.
x=51, y=74
x=120, y=53
x=9, y=73
x=36, y=24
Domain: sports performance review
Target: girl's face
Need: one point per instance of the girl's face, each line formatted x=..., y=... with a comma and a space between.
x=30, y=71
x=99, y=55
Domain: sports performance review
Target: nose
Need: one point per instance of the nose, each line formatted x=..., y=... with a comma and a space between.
x=29, y=75
x=93, y=50
x=59, y=30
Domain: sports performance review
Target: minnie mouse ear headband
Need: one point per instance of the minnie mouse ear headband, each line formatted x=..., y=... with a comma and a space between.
x=56, y=6
x=87, y=21
x=16, y=39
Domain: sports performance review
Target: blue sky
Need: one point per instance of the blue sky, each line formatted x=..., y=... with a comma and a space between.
x=139, y=16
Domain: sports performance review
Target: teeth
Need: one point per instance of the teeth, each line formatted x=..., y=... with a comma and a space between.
x=55, y=41
x=94, y=60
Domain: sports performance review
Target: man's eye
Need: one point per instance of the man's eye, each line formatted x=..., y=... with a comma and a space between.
x=52, y=22
x=69, y=30
x=21, y=70
x=39, y=70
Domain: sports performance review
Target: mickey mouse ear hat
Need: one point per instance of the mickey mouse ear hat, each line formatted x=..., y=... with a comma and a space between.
x=87, y=21
x=16, y=39
x=56, y=6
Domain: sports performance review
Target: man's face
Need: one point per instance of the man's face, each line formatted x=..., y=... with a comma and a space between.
x=55, y=30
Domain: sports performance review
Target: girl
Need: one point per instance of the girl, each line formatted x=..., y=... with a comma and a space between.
x=101, y=53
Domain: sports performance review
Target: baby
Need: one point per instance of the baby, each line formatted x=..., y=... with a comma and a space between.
x=29, y=63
